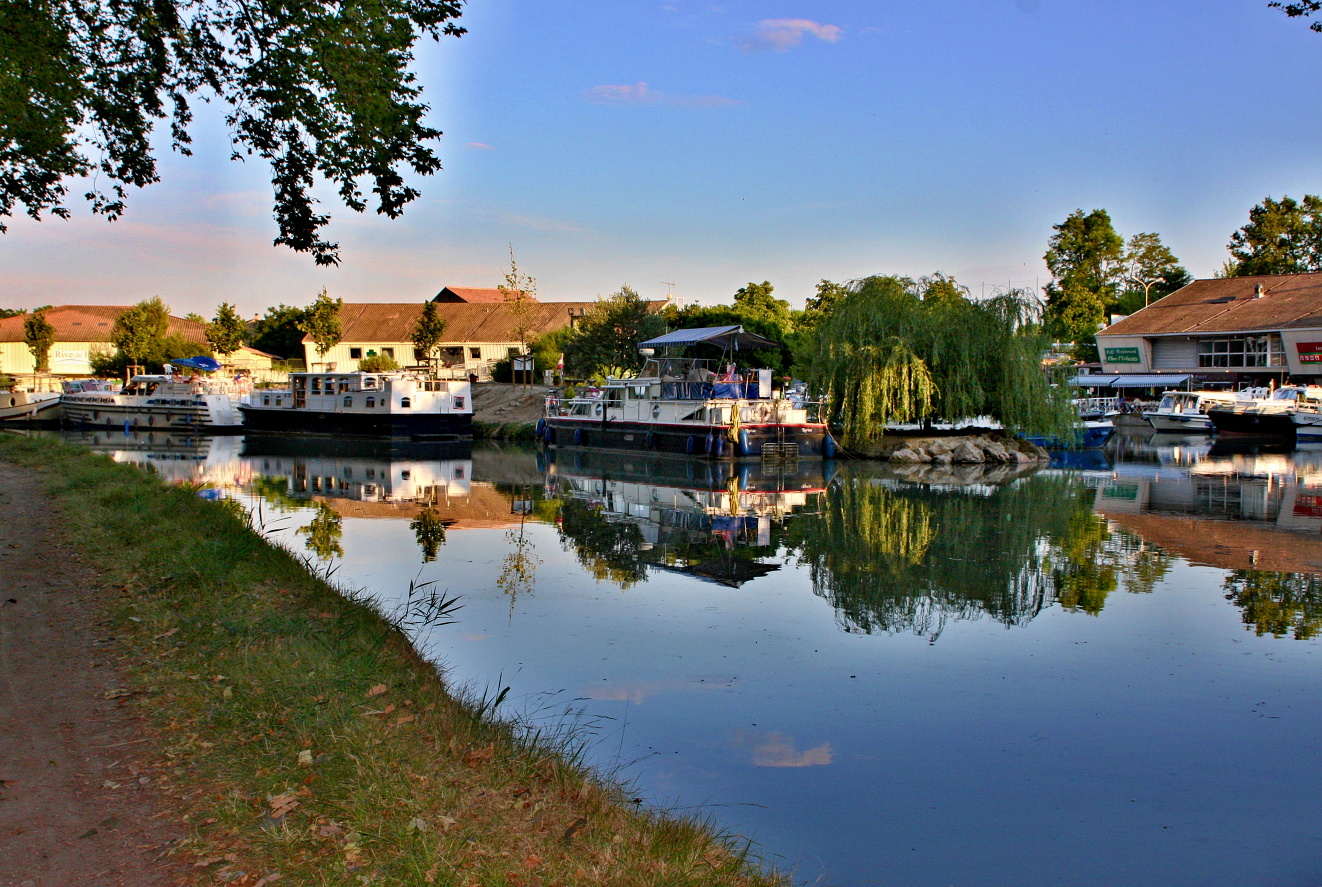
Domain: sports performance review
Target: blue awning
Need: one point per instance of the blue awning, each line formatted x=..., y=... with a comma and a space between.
x=201, y=362
x=1155, y=380
x=1097, y=380
x=724, y=336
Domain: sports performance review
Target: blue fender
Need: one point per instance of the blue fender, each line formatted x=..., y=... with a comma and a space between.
x=650, y=440
x=709, y=443
x=828, y=446
x=691, y=445
x=720, y=445
x=578, y=435
x=745, y=447
x=540, y=431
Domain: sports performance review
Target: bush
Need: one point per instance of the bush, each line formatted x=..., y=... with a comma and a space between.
x=377, y=363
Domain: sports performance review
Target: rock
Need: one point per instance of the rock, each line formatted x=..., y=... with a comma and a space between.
x=967, y=453
x=906, y=454
x=939, y=445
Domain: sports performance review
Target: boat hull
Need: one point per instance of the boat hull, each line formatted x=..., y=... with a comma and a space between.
x=213, y=413
x=709, y=442
x=1090, y=437
x=1258, y=423
x=28, y=407
x=1180, y=423
x=287, y=420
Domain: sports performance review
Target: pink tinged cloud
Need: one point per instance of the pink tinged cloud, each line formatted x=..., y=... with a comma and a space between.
x=776, y=749
x=782, y=34
x=641, y=94
x=479, y=146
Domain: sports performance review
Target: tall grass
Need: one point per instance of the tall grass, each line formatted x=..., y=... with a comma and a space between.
x=300, y=734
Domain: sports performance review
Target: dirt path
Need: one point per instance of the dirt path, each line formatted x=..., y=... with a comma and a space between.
x=74, y=809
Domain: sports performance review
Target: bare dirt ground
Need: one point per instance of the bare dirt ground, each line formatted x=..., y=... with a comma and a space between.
x=499, y=403
x=75, y=810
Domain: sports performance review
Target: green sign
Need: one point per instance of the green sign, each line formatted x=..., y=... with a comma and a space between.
x=1121, y=355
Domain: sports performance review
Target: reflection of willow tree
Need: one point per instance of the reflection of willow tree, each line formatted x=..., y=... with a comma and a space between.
x=324, y=533
x=429, y=530
x=609, y=550
x=1279, y=604
x=910, y=558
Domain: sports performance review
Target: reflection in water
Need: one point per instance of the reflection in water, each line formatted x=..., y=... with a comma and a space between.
x=518, y=572
x=429, y=529
x=324, y=533
x=1279, y=604
x=719, y=522
x=892, y=556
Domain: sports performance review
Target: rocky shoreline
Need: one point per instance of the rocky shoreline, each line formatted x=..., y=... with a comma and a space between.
x=975, y=449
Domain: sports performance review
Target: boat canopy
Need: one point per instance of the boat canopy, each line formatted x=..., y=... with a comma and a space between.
x=728, y=337
x=200, y=362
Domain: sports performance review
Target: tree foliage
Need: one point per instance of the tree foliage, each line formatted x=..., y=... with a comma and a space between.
x=1084, y=257
x=140, y=329
x=896, y=350
x=428, y=332
x=279, y=332
x=1303, y=8
x=378, y=363
x=605, y=341
x=520, y=292
x=316, y=90
x=779, y=359
x=1281, y=237
x=755, y=300
x=1151, y=271
x=226, y=332
x=322, y=322
x=39, y=334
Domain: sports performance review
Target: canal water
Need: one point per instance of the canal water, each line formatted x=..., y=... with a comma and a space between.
x=1104, y=672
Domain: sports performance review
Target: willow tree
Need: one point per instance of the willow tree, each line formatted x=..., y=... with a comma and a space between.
x=894, y=350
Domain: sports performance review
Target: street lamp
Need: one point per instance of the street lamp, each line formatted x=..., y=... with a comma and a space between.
x=1146, y=284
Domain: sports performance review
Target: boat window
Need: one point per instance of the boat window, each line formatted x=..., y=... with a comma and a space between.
x=458, y=403
x=596, y=409
x=348, y=401
x=369, y=382
x=277, y=401
x=656, y=410
x=316, y=385
x=266, y=400
x=371, y=403
x=404, y=403
x=1167, y=403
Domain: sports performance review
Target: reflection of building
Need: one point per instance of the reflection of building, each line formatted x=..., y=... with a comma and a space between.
x=689, y=516
x=1243, y=511
x=175, y=457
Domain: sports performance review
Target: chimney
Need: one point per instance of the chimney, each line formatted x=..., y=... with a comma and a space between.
x=1257, y=291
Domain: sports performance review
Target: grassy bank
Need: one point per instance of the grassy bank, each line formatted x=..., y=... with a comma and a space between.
x=300, y=735
x=515, y=431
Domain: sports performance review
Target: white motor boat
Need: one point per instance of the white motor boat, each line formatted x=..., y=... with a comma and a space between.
x=1185, y=412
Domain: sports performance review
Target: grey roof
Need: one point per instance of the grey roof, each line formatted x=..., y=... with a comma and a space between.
x=724, y=336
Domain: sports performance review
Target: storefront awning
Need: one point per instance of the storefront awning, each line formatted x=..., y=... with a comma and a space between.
x=1097, y=380
x=1162, y=380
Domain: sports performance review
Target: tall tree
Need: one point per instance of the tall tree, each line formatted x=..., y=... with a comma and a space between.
x=1151, y=271
x=755, y=300
x=315, y=89
x=138, y=332
x=606, y=340
x=39, y=334
x=322, y=322
x=428, y=333
x=1303, y=8
x=520, y=292
x=227, y=331
x=1281, y=237
x=1085, y=257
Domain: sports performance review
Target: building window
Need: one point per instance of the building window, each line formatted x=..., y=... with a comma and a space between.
x=388, y=352
x=355, y=354
x=475, y=353
x=1249, y=351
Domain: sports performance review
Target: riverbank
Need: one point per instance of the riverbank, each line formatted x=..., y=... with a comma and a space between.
x=288, y=733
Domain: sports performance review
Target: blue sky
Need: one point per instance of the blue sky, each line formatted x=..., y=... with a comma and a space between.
x=614, y=142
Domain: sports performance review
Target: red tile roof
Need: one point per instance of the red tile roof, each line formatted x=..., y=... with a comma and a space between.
x=1288, y=301
x=91, y=323
x=471, y=295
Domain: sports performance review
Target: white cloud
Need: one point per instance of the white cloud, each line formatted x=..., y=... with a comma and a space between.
x=480, y=146
x=776, y=749
x=782, y=34
x=641, y=94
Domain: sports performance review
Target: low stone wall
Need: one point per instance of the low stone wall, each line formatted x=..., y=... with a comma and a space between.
x=957, y=450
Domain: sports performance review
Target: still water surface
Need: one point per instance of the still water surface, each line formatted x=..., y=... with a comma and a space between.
x=1105, y=674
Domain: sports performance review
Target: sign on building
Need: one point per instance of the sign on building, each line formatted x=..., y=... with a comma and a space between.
x=1121, y=355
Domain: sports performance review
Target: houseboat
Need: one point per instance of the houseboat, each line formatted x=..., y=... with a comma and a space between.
x=391, y=404
x=1270, y=417
x=149, y=401
x=705, y=408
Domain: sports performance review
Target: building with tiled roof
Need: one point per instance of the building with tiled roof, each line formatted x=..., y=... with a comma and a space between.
x=80, y=332
x=1237, y=330
x=476, y=334
x=471, y=295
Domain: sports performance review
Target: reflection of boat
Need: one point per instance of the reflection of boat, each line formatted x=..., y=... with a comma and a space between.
x=1185, y=412
x=29, y=406
x=421, y=480
x=152, y=401
x=689, y=406
x=1092, y=459
x=385, y=448
x=1089, y=435
x=1271, y=417
x=174, y=456
x=705, y=522
x=394, y=404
